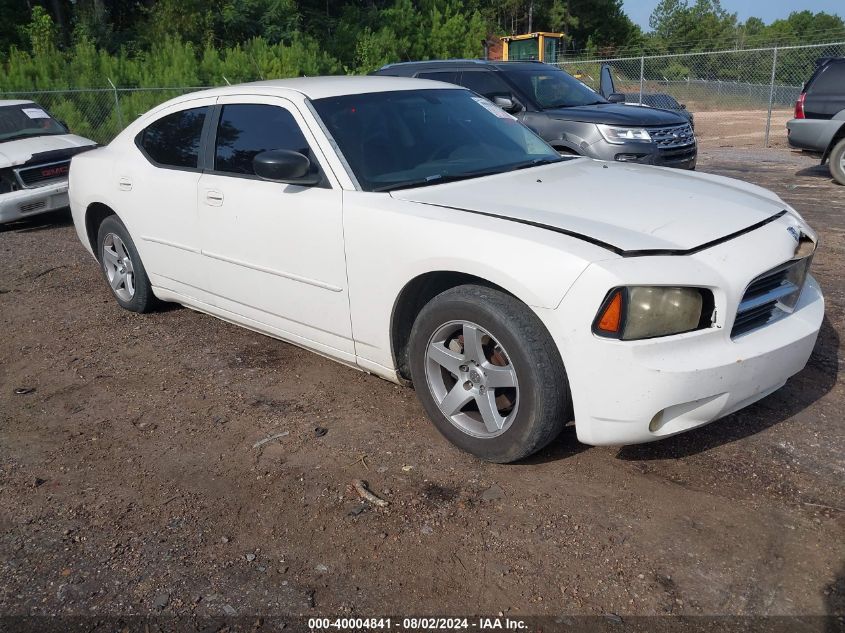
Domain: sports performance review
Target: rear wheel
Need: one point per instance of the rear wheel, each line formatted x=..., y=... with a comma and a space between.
x=488, y=373
x=122, y=267
x=837, y=162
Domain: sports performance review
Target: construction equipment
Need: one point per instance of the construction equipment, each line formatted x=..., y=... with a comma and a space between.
x=541, y=46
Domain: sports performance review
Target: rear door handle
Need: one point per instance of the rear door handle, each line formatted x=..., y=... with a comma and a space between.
x=124, y=183
x=214, y=198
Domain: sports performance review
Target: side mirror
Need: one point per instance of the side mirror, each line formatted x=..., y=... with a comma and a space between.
x=616, y=97
x=683, y=106
x=508, y=104
x=284, y=165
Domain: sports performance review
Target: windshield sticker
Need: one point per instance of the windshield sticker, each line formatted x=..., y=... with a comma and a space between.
x=493, y=108
x=35, y=113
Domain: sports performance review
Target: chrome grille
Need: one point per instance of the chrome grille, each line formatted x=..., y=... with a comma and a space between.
x=44, y=174
x=771, y=296
x=675, y=136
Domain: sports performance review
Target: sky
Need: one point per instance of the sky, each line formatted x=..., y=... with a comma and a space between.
x=768, y=10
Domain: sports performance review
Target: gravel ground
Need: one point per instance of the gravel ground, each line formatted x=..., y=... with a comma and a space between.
x=130, y=482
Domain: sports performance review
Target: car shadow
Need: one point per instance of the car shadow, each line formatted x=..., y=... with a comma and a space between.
x=566, y=445
x=816, y=171
x=834, y=598
x=40, y=222
x=802, y=390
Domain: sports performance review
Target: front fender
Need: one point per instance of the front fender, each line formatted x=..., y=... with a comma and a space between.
x=390, y=242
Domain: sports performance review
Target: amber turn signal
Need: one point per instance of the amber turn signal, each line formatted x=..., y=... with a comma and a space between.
x=610, y=320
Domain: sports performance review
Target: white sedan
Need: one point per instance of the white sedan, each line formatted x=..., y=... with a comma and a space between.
x=411, y=229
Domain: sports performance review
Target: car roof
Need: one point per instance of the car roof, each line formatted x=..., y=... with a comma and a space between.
x=322, y=87
x=14, y=102
x=450, y=63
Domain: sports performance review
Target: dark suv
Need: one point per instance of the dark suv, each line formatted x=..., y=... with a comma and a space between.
x=819, y=123
x=570, y=116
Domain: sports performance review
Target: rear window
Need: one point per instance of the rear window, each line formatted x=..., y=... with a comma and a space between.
x=830, y=80
x=174, y=140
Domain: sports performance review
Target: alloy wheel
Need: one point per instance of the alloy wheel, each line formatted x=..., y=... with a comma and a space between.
x=118, y=266
x=471, y=377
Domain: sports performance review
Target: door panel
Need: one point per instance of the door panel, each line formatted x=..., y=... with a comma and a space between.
x=156, y=197
x=274, y=252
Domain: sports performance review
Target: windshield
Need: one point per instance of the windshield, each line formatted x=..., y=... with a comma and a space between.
x=27, y=119
x=550, y=87
x=424, y=137
x=660, y=101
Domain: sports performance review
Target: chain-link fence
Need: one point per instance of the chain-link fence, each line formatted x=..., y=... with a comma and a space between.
x=738, y=97
x=99, y=113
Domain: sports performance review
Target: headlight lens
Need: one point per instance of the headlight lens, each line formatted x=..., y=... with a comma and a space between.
x=638, y=312
x=619, y=135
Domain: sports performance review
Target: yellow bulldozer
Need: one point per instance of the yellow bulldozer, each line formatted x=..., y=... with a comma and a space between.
x=541, y=46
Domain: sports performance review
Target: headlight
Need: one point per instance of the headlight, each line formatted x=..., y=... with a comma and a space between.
x=619, y=135
x=638, y=312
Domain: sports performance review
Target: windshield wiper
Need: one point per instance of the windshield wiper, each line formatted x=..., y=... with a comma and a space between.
x=439, y=179
x=573, y=105
x=16, y=137
x=537, y=162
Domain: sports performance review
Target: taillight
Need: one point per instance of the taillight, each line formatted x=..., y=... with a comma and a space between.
x=799, y=106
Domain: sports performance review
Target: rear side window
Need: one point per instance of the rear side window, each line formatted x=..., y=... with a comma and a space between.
x=830, y=80
x=486, y=83
x=174, y=140
x=449, y=76
x=248, y=129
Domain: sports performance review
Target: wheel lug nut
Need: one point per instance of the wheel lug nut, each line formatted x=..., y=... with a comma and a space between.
x=463, y=368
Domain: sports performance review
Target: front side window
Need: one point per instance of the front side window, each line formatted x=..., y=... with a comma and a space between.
x=174, y=140
x=550, y=87
x=486, y=83
x=449, y=76
x=248, y=129
x=411, y=138
x=25, y=120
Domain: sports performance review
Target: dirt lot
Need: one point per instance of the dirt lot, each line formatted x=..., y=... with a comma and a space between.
x=747, y=128
x=129, y=482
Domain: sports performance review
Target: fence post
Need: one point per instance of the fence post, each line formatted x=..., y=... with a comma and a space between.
x=771, y=95
x=116, y=104
x=642, y=77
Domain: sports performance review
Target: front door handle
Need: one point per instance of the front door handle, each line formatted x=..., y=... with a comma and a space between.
x=124, y=183
x=214, y=198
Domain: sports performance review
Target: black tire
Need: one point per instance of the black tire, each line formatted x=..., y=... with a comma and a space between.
x=837, y=162
x=544, y=404
x=142, y=299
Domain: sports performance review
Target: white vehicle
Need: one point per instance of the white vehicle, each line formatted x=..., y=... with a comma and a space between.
x=35, y=153
x=413, y=230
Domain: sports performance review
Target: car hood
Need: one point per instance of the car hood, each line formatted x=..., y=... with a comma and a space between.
x=23, y=150
x=616, y=114
x=627, y=208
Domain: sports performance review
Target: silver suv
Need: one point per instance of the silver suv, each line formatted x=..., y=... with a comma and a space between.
x=571, y=117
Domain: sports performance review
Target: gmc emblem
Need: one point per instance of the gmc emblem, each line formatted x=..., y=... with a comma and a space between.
x=52, y=172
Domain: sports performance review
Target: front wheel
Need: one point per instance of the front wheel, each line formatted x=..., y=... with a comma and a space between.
x=837, y=162
x=488, y=373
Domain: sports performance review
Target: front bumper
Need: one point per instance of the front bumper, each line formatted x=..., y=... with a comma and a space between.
x=24, y=203
x=683, y=157
x=627, y=392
